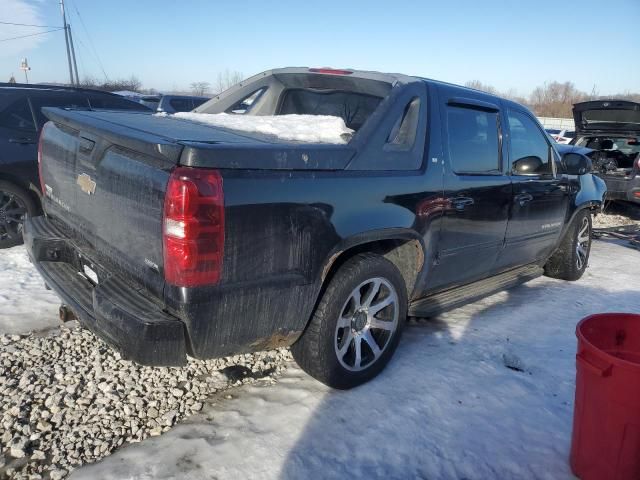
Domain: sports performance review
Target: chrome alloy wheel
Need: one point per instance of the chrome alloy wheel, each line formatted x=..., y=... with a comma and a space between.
x=582, y=244
x=367, y=322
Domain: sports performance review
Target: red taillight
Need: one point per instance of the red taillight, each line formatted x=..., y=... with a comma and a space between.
x=193, y=227
x=40, y=159
x=331, y=71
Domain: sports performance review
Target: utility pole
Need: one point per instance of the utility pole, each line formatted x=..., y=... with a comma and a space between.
x=73, y=56
x=70, y=50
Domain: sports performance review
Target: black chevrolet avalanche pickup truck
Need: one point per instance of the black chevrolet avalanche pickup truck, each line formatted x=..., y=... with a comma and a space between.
x=169, y=237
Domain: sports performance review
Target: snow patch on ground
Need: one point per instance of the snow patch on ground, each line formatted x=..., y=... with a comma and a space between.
x=300, y=128
x=25, y=305
x=448, y=405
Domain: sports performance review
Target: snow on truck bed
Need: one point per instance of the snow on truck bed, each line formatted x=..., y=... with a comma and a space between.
x=298, y=128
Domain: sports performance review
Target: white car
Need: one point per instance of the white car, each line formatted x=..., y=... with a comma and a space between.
x=563, y=137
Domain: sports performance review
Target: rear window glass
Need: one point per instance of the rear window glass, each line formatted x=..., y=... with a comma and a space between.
x=353, y=108
x=611, y=116
x=473, y=140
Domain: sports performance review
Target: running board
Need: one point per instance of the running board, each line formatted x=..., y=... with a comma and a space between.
x=459, y=296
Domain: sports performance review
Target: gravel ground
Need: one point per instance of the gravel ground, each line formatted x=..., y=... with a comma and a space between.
x=616, y=215
x=68, y=399
x=606, y=220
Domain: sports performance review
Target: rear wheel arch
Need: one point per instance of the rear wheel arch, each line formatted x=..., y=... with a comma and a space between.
x=21, y=184
x=403, y=248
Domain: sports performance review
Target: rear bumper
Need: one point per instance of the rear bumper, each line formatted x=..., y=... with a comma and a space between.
x=622, y=188
x=122, y=316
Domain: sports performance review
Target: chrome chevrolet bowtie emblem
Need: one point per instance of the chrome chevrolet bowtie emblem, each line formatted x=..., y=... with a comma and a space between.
x=87, y=185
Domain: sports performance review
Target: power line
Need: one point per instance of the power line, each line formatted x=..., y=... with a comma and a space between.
x=28, y=25
x=95, y=51
x=32, y=35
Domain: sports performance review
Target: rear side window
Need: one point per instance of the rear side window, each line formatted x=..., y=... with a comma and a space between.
x=73, y=100
x=18, y=116
x=353, y=108
x=181, y=104
x=527, y=140
x=113, y=103
x=198, y=101
x=473, y=140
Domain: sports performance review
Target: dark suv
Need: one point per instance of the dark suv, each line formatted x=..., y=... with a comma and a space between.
x=21, y=119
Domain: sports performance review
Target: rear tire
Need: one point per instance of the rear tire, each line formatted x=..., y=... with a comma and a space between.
x=357, y=324
x=15, y=204
x=571, y=258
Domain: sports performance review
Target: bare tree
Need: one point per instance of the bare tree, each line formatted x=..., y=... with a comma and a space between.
x=478, y=85
x=132, y=84
x=556, y=99
x=227, y=79
x=200, y=88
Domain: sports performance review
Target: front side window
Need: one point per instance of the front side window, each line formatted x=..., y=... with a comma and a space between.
x=473, y=140
x=17, y=116
x=530, y=151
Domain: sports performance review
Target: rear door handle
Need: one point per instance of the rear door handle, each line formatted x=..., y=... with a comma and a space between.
x=23, y=141
x=459, y=203
x=523, y=198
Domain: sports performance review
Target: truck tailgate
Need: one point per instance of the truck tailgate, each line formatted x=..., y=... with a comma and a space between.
x=108, y=195
x=104, y=176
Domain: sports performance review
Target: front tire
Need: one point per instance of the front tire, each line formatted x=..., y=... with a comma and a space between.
x=356, y=327
x=15, y=204
x=571, y=258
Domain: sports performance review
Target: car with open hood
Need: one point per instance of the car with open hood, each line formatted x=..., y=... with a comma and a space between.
x=610, y=130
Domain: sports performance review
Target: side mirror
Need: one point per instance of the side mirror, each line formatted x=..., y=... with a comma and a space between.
x=527, y=165
x=576, y=163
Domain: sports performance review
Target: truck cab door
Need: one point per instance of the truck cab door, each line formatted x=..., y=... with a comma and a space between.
x=540, y=193
x=477, y=192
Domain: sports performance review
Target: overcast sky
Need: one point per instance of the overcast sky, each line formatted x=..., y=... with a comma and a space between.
x=169, y=44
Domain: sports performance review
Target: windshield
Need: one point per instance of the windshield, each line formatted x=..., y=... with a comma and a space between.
x=354, y=108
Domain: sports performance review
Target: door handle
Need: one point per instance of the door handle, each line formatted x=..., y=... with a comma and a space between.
x=23, y=141
x=523, y=198
x=459, y=203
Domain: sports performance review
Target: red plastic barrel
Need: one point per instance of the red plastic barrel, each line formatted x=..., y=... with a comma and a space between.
x=606, y=420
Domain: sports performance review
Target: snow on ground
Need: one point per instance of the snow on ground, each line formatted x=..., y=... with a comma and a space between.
x=25, y=305
x=301, y=128
x=446, y=407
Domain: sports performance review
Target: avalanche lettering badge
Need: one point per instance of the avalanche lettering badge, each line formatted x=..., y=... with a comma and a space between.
x=87, y=185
